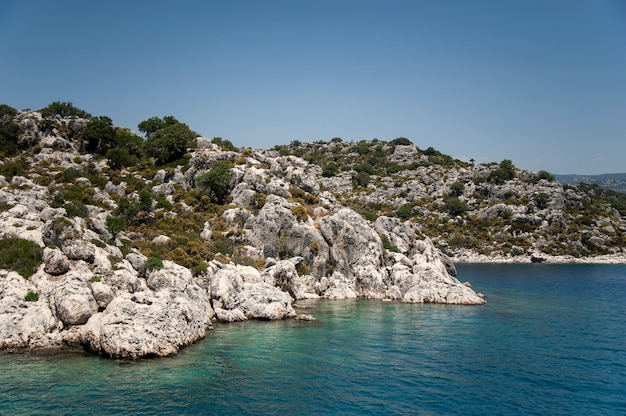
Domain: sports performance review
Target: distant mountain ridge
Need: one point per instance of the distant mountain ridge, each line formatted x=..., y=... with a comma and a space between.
x=613, y=181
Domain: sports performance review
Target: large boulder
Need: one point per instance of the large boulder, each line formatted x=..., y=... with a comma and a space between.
x=146, y=324
x=55, y=262
x=74, y=302
x=171, y=312
x=266, y=302
x=23, y=324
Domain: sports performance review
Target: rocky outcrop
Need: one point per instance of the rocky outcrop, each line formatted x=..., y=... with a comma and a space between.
x=174, y=311
x=291, y=229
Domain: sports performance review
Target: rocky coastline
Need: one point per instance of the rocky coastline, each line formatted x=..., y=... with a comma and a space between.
x=136, y=261
x=619, y=258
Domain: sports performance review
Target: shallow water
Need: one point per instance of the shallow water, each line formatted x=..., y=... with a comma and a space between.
x=550, y=340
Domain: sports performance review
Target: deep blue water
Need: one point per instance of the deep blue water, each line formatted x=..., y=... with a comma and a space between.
x=550, y=341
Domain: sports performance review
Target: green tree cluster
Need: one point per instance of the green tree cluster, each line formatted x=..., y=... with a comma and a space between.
x=167, y=139
x=505, y=172
x=9, y=130
x=216, y=182
x=63, y=109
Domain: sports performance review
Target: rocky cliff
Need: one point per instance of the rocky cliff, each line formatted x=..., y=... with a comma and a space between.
x=133, y=259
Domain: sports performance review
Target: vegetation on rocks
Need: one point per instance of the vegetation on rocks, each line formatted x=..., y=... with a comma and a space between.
x=20, y=255
x=97, y=215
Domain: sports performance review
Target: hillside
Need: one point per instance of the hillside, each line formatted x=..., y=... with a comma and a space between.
x=132, y=246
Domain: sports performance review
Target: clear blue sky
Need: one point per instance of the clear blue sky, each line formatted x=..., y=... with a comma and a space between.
x=542, y=83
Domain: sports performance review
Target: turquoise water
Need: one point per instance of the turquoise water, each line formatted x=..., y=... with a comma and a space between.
x=551, y=340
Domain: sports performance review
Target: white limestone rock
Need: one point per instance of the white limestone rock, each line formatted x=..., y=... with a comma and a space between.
x=74, y=302
x=266, y=302
x=146, y=324
x=55, y=262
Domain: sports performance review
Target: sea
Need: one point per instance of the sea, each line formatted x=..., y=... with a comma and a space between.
x=551, y=340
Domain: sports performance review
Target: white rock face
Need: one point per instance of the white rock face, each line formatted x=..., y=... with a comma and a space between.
x=145, y=324
x=23, y=324
x=172, y=312
x=56, y=263
x=264, y=301
x=74, y=302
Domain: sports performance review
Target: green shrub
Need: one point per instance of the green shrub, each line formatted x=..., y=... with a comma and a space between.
x=402, y=141
x=115, y=224
x=63, y=109
x=361, y=179
x=13, y=168
x=119, y=158
x=405, y=211
x=154, y=262
x=76, y=209
x=541, y=200
x=302, y=269
x=216, y=182
x=222, y=245
x=387, y=244
x=457, y=188
x=329, y=170
x=300, y=212
x=169, y=143
x=455, y=206
x=542, y=174
x=20, y=255
x=31, y=296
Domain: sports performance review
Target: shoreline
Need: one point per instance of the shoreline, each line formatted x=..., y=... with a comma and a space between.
x=541, y=258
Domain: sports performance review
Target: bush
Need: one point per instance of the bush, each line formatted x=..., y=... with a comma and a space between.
x=115, y=224
x=71, y=174
x=330, y=170
x=405, y=211
x=542, y=174
x=455, y=206
x=154, y=262
x=216, y=182
x=169, y=143
x=20, y=255
x=403, y=141
x=457, y=188
x=31, y=296
x=119, y=158
x=300, y=212
x=223, y=245
x=361, y=179
x=99, y=134
x=14, y=168
x=63, y=109
x=9, y=131
x=541, y=200
x=505, y=172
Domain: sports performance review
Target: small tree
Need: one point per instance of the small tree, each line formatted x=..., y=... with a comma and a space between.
x=169, y=143
x=457, y=188
x=542, y=174
x=361, y=179
x=115, y=224
x=145, y=200
x=455, y=206
x=542, y=200
x=329, y=170
x=99, y=134
x=216, y=182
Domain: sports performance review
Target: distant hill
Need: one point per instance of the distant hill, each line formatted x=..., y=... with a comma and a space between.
x=613, y=181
